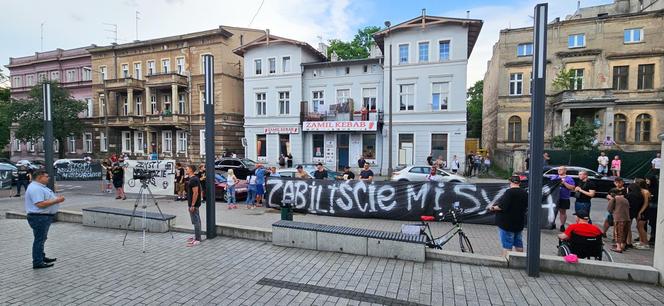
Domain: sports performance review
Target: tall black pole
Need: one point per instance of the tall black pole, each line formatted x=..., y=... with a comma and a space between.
x=48, y=135
x=210, y=226
x=389, y=133
x=537, y=139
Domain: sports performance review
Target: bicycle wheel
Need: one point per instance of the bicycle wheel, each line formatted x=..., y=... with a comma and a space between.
x=606, y=256
x=464, y=243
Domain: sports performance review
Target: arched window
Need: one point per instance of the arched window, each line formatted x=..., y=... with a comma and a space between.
x=619, y=128
x=514, y=129
x=642, y=128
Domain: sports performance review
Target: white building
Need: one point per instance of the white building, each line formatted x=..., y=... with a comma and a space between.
x=298, y=102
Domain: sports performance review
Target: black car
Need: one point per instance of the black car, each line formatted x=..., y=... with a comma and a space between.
x=603, y=183
x=241, y=166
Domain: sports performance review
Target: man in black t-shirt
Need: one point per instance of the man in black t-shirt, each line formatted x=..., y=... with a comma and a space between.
x=194, y=203
x=23, y=177
x=320, y=173
x=366, y=174
x=584, y=192
x=347, y=175
x=510, y=212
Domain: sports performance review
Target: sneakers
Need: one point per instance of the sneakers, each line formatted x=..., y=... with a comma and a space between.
x=193, y=243
x=190, y=239
x=640, y=246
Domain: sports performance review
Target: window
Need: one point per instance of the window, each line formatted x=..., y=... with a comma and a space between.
x=406, y=96
x=87, y=143
x=285, y=64
x=181, y=104
x=56, y=146
x=318, y=141
x=165, y=65
x=272, y=65
x=577, y=79
x=139, y=106
x=284, y=144
x=102, y=105
x=167, y=103
x=576, y=41
x=365, y=68
x=439, y=95
x=167, y=141
x=318, y=100
x=182, y=142
x=439, y=145
x=642, y=128
x=71, y=144
x=284, y=103
x=620, y=78
x=16, y=145
x=646, y=73
x=137, y=71
x=42, y=76
x=87, y=74
x=102, y=71
x=444, y=50
x=369, y=146
x=516, y=84
x=406, y=149
x=30, y=80
x=55, y=75
x=125, y=107
x=261, y=145
x=151, y=69
x=403, y=54
x=153, y=105
x=343, y=95
x=179, y=65
x=514, y=129
x=258, y=66
x=369, y=98
x=126, y=141
x=347, y=70
x=633, y=35
x=619, y=128
x=71, y=76
x=16, y=81
x=88, y=109
x=524, y=49
x=103, y=142
x=31, y=146
x=423, y=49
x=125, y=70
x=261, y=104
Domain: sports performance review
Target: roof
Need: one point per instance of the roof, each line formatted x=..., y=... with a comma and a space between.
x=52, y=55
x=474, y=27
x=267, y=39
x=360, y=61
x=218, y=31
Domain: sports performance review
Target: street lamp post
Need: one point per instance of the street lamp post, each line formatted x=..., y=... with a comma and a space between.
x=389, y=132
x=48, y=134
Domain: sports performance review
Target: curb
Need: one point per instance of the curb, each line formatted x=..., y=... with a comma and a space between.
x=467, y=258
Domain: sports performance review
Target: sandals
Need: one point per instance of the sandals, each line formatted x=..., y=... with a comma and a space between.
x=616, y=250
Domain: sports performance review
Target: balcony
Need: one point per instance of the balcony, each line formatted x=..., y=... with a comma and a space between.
x=166, y=79
x=590, y=98
x=123, y=84
x=166, y=119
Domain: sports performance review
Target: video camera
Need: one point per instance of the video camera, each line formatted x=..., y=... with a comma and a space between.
x=143, y=174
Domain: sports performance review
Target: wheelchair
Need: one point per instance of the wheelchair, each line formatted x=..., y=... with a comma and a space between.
x=584, y=247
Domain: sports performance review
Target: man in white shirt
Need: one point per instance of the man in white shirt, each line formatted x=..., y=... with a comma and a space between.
x=656, y=164
x=603, y=164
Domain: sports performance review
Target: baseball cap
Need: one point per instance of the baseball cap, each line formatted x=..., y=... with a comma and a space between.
x=515, y=179
x=583, y=214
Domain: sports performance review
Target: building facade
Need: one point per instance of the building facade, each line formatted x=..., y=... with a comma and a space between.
x=149, y=95
x=615, y=57
x=298, y=102
x=72, y=68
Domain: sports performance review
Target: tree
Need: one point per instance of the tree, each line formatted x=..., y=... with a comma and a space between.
x=577, y=138
x=563, y=80
x=5, y=117
x=357, y=48
x=65, y=109
x=474, y=109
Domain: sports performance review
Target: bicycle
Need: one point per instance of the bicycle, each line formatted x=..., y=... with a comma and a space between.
x=438, y=242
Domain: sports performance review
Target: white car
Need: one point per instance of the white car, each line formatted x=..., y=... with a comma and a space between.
x=418, y=173
x=62, y=162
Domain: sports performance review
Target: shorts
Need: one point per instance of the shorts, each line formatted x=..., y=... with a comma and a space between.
x=179, y=187
x=117, y=183
x=578, y=205
x=260, y=189
x=622, y=228
x=602, y=169
x=563, y=203
x=510, y=239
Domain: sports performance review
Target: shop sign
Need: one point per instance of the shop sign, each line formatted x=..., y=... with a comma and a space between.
x=281, y=130
x=339, y=126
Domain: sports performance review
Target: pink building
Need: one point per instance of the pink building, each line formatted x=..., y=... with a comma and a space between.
x=72, y=68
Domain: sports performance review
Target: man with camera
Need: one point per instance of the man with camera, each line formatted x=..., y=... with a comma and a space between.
x=41, y=206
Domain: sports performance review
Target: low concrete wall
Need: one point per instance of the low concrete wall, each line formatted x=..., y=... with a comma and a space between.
x=122, y=219
x=244, y=232
x=62, y=216
x=467, y=258
x=355, y=245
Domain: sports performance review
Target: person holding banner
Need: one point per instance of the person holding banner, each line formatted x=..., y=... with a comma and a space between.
x=510, y=212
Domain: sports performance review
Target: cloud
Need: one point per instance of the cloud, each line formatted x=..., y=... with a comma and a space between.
x=76, y=17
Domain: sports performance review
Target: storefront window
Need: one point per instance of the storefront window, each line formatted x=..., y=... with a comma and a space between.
x=284, y=144
x=439, y=145
x=369, y=146
x=318, y=141
x=261, y=145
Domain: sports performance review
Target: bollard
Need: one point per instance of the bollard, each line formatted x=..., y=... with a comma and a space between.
x=286, y=210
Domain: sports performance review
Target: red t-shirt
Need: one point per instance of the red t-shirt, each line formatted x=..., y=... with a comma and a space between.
x=583, y=229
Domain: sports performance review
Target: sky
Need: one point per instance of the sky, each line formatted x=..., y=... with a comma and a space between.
x=75, y=23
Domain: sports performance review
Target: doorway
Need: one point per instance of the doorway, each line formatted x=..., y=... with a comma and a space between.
x=343, y=144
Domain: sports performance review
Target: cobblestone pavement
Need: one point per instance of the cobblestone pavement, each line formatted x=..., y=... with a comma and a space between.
x=484, y=238
x=94, y=269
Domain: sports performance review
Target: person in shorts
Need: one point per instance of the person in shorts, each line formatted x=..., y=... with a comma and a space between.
x=602, y=164
x=179, y=182
x=510, y=212
x=260, y=184
x=566, y=186
x=619, y=209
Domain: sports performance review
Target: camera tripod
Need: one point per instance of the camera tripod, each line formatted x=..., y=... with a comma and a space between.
x=142, y=199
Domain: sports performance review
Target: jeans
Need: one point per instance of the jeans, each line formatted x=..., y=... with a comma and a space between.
x=40, y=223
x=251, y=195
x=231, y=194
x=20, y=183
x=196, y=221
x=510, y=239
x=578, y=205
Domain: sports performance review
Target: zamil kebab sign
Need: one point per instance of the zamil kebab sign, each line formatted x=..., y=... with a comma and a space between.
x=339, y=126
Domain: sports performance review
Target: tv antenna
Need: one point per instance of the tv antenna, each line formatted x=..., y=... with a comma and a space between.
x=41, y=37
x=114, y=31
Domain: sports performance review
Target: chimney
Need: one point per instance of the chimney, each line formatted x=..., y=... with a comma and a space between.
x=267, y=36
x=424, y=17
x=578, y=5
x=241, y=40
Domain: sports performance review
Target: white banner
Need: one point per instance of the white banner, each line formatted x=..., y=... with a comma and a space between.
x=339, y=126
x=162, y=174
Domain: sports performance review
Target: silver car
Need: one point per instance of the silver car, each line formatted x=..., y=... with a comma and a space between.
x=418, y=173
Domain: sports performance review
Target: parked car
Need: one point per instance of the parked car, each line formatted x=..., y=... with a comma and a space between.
x=290, y=172
x=220, y=188
x=13, y=171
x=241, y=166
x=603, y=183
x=7, y=161
x=40, y=164
x=419, y=173
x=27, y=163
x=66, y=161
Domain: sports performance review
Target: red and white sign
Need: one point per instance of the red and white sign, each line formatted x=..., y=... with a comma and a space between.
x=281, y=130
x=339, y=126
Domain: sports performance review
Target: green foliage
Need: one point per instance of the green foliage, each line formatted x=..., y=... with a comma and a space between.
x=65, y=109
x=355, y=49
x=5, y=117
x=474, y=109
x=579, y=137
x=563, y=80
